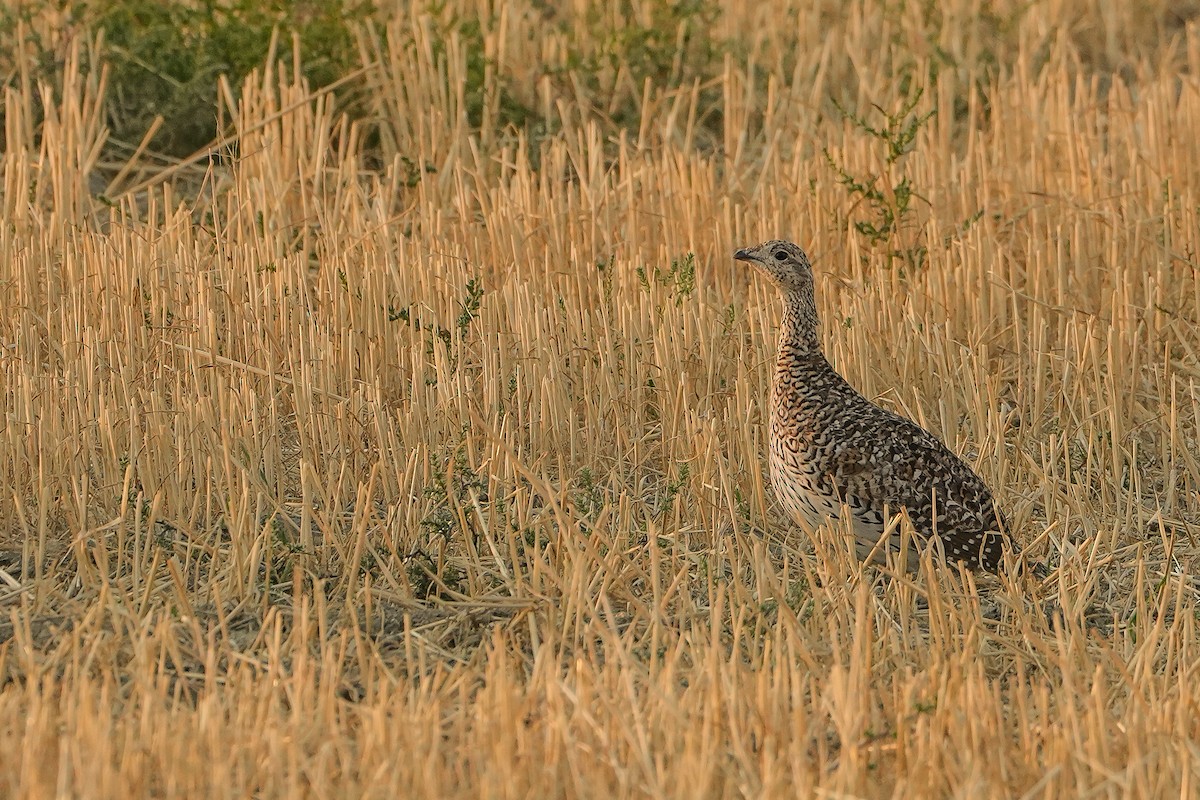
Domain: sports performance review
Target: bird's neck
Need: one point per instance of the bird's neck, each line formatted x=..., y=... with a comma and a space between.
x=798, y=333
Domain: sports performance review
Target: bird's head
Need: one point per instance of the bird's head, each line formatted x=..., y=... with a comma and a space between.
x=783, y=262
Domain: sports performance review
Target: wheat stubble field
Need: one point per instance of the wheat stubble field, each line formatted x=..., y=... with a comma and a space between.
x=421, y=453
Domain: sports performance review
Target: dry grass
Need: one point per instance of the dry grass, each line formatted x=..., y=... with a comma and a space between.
x=288, y=513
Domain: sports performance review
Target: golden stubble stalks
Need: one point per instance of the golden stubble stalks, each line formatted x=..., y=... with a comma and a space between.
x=447, y=480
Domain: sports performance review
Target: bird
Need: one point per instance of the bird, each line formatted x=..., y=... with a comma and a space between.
x=833, y=451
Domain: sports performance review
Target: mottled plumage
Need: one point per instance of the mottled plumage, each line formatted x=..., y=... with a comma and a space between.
x=831, y=446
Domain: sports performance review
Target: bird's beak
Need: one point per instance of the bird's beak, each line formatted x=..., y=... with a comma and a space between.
x=743, y=255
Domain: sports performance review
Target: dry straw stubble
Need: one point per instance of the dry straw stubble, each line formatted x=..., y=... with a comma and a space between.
x=292, y=510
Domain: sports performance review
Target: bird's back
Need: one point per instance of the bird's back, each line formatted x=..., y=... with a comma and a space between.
x=832, y=448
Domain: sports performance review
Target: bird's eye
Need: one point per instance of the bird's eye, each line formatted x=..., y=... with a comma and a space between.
x=780, y=255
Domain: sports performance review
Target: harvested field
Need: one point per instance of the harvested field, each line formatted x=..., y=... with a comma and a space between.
x=408, y=440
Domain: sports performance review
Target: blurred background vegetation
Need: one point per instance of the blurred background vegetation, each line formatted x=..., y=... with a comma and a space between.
x=164, y=58
x=174, y=71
